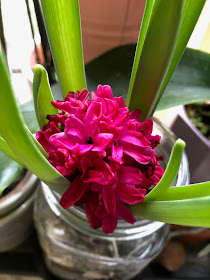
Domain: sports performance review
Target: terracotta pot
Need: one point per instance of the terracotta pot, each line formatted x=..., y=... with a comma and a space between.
x=16, y=213
x=107, y=24
x=197, y=147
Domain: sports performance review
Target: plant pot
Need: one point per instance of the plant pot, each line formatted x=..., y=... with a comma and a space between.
x=73, y=250
x=197, y=147
x=16, y=213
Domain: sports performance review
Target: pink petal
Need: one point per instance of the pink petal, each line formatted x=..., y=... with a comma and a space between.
x=136, y=115
x=103, y=103
x=83, y=95
x=122, y=116
x=136, y=138
x=104, y=92
x=63, y=140
x=93, y=95
x=90, y=209
x=124, y=213
x=94, y=176
x=81, y=149
x=59, y=157
x=93, y=128
x=94, y=110
x=101, y=211
x=74, y=192
x=117, y=153
x=129, y=175
x=101, y=141
x=85, y=164
x=94, y=221
x=141, y=155
x=129, y=194
x=112, y=107
x=109, y=198
x=155, y=140
x=146, y=127
x=41, y=138
x=109, y=224
x=74, y=124
x=120, y=101
x=68, y=106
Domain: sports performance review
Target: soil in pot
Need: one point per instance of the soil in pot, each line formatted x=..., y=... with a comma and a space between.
x=199, y=114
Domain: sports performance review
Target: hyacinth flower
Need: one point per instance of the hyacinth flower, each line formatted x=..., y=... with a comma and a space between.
x=100, y=152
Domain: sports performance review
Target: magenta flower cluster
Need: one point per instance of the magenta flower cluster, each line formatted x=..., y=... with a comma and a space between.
x=105, y=152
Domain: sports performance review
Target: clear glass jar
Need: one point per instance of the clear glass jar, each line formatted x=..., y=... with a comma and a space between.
x=73, y=250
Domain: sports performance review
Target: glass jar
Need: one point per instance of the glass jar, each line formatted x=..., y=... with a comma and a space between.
x=73, y=250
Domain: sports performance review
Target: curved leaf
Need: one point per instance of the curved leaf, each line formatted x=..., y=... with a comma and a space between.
x=191, y=13
x=189, y=83
x=42, y=96
x=187, y=212
x=62, y=20
x=186, y=192
x=170, y=172
x=156, y=44
x=17, y=136
x=4, y=147
x=9, y=171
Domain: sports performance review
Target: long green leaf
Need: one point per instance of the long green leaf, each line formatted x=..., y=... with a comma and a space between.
x=17, y=136
x=186, y=192
x=191, y=13
x=9, y=171
x=62, y=19
x=188, y=212
x=170, y=172
x=42, y=96
x=189, y=83
x=156, y=44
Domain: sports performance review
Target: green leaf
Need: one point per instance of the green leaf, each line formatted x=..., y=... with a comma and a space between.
x=170, y=172
x=156, y=44
x=191, y=13
x=62, y=20
x=42, y=96
x=9, y=171
x=18, y=138
x=186, y=192
x=29, y=115
x=190, y=82
x=6, y=150
x=188, y=212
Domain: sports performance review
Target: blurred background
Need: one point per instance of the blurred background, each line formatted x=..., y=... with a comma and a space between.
x=105, y=24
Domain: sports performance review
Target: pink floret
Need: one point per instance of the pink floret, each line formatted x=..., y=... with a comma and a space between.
x=105, y=152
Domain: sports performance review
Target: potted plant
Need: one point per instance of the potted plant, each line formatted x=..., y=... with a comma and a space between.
x=198, y=64
x=197, y=141
x=96, y=154
x=17, y=192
